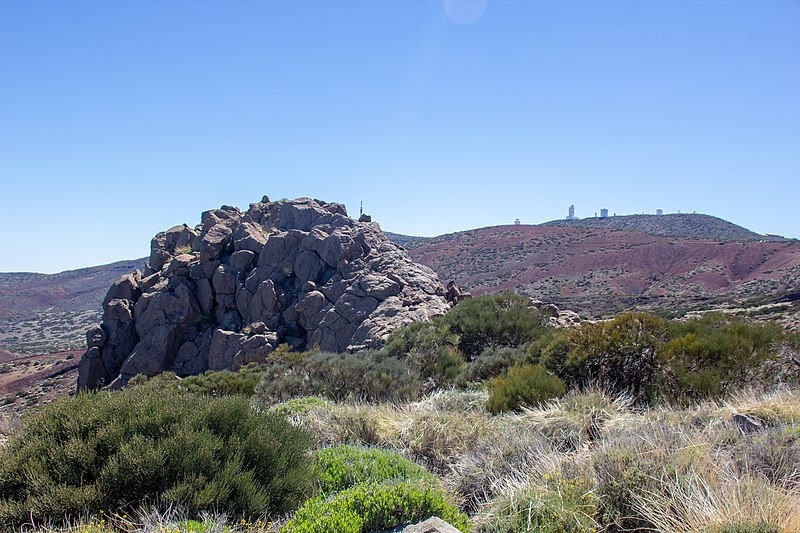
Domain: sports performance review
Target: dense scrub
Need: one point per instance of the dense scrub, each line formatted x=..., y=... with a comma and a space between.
x=487, y=411
x=117, y=450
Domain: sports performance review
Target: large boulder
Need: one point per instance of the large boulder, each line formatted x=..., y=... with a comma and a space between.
x=228, y=291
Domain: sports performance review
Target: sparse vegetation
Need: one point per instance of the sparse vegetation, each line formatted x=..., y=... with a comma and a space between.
x=614, y=426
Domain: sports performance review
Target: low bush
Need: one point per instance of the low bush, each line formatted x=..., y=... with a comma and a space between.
x=744, y=527
x=117, y=450
x=620, y=477
x=774, y=454
x=242, y=382
x=712, y=355
x=526, y=385
x=366, y=375
x=430, y=349
x=300, y=406
x=341, y=467
x=491, y=363
x=376, y=507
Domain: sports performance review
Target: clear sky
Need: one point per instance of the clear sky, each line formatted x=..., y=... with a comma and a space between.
x=119, y=119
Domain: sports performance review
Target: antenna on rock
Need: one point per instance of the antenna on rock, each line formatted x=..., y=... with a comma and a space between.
x=361, y=211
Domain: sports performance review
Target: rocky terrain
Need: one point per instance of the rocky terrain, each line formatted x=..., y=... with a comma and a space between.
x=230, y=290
x=681, y=225
x=43, y=313
x=600, y=272
x=37, y=380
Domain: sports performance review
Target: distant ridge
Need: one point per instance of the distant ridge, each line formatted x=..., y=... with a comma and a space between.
x=72, y=290
x=402, y=240
x=680, y=225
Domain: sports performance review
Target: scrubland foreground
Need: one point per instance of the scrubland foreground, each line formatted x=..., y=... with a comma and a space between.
x=486, y=417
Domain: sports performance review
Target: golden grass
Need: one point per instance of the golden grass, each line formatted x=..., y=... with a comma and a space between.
x=693, y=503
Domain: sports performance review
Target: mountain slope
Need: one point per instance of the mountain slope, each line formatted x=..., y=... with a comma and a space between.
x=598, y=271
x=50, y=312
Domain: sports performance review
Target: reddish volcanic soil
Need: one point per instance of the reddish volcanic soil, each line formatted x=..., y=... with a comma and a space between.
x=598, y=271
x=6, y=356
x=37, y=380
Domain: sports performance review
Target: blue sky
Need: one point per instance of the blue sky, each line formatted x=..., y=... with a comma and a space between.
x=120, y=119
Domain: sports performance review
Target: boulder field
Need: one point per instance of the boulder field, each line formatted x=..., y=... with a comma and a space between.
x=230, y=290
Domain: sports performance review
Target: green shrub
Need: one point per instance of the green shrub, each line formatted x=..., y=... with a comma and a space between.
x=243, y=382
x=375, y=507
x=491, y=363
x=299, y=406
x=116, y=450
x=712, y=355
x=343, y=466
x=620, y=354
x=430, y=349
x=526, y=385
x=421, y=337
x=504, y=319
x=366, y=375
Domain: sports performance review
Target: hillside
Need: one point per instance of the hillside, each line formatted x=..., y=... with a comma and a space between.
x=680, y=225
x=50, y=312
x=599, y=272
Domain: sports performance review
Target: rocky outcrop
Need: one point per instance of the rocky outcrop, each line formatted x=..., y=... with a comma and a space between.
x=558, y=318
x=228, y=291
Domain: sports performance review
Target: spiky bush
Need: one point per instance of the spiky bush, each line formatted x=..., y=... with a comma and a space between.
x=116, y=450
x=554, y=505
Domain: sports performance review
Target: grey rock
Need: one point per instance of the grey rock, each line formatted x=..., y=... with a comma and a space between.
x=224, y=347
x=215, y=242
x=96, y=337
x=179, y=266
x=224, y=280
x=263, y=305
x=205, y=296
x=551, y=309
x=308, y=266
x=250, y=237
x=126, y=288
x=255, y=349
x=431, y=525
x=748, y=424
x=242, y=260
x=299, y=272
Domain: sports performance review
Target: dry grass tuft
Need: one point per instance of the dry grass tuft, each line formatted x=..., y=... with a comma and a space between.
x=693, y=503
x=779, y=406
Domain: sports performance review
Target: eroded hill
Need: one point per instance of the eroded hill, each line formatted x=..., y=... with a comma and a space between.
x=599, y=272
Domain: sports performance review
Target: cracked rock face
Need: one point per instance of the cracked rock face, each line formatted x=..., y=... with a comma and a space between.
x=228, y=291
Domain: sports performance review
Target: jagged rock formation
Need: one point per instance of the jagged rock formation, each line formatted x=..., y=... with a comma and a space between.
x=230, y=290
